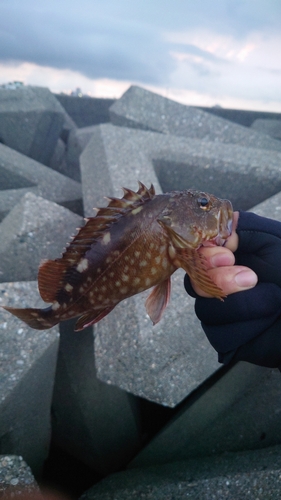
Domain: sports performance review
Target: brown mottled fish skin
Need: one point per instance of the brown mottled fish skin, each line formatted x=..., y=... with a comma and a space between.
x=135, y=243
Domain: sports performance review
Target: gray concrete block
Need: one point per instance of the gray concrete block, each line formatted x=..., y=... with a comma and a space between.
x=162, y=363
x=27, y=371
x=57, y=161
x=252, y=474
x=269, y=127
x=166, y=362
x=270, y=208
x=17, y=480
x=20, y=174
x=244, y=117
x=86, y=111
x=34, y=230
x=31, y=120
x=142, y=109
x=246, y=176
x=77, y=141
x=239, y=411
x=68, y=126
x=97, y=423
x=225, y=417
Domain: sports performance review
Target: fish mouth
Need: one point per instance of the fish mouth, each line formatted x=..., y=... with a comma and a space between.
x=225, y=218
x=224, y=233
x=224, y=227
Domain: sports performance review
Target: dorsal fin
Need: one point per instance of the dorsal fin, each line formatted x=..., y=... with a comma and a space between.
x=51, y=276
x=105, y=217
x=145, y=192
x=132, y=198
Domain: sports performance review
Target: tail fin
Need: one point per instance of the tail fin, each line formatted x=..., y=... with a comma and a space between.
x=40, y=319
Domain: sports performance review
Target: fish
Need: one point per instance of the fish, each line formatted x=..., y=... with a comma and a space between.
x=133, y=244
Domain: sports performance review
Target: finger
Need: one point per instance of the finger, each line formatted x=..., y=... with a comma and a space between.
x=217, y=256
x=222, y=256
x=230, y=279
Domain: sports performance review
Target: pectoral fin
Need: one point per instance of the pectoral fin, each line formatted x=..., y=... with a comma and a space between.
x=194, y=265
x=157, y=300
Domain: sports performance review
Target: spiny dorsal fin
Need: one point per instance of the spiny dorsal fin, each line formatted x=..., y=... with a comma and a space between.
x=131, y=199
x=106, y=216
x=145, y=192
x=131, y=196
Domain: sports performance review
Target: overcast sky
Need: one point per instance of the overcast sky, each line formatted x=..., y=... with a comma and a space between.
x=197, y=51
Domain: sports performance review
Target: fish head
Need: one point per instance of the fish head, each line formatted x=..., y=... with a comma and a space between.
x=199, y=218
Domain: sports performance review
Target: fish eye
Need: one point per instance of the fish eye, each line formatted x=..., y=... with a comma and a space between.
x=203, y=202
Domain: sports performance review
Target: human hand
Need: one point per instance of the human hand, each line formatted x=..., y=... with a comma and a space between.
x=245, y=323
x=221, y=269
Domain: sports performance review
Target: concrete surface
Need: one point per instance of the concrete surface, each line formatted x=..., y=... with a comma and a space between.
x=86, y=111
x=58, y=161
x=269, y=127
x=246, y=176
x=97, y=416
x=130, y=353
x=16, y=479
x=77, y=141
x=239, y=411
x=142, y=109
x=166, y=362
x=254, y=475
x=95, y=422
x=34, y=230
x=31, y=120
x=20, y=175
x=27, y=371
x=224, y=418
x=243, y=117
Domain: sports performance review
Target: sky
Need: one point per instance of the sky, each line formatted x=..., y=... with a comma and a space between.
x=199, y=52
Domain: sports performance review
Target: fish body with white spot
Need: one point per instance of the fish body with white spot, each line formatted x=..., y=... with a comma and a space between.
x=135, y=243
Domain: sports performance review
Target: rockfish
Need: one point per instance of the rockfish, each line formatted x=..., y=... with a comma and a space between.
x=135, y=243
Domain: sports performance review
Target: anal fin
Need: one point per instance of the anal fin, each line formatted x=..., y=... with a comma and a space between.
x=157, y=300
x=193, y=263
x=91, y=318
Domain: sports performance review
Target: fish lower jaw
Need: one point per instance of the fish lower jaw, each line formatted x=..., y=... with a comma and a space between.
x=209, y=244
x=218, y=241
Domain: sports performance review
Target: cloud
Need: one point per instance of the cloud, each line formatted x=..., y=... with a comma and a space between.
x=236, y=80
x=125, y=39
x=223, y=65
x=95, y=44
x=224, y=47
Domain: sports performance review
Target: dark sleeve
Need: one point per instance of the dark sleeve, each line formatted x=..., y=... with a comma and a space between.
x=263, y=350
x=248, y=321
x=260, y=246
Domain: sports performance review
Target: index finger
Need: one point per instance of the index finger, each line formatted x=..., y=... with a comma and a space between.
x=217, y=257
